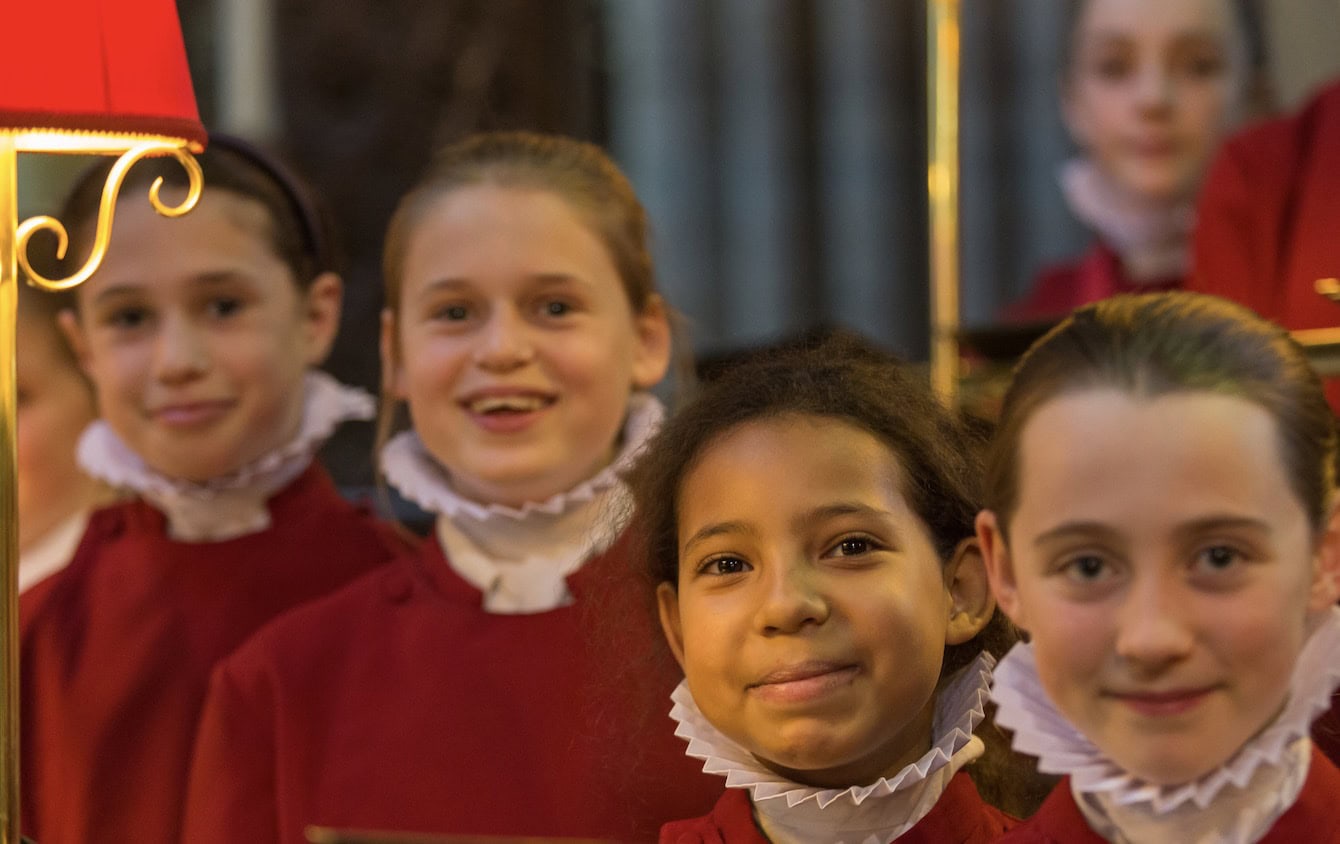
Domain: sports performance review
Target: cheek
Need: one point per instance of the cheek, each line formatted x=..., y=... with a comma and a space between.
x=120, y=372
x=1071, y=642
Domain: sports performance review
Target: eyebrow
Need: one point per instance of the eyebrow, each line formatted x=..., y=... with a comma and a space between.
x=805, y=520
x=211, y=278
x=1185, y=530
x=716, y=529
x=1119, y=35
x=837, y=509
x=537, y=279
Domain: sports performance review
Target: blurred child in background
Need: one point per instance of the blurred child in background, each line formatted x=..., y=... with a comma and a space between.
x=1149, y=89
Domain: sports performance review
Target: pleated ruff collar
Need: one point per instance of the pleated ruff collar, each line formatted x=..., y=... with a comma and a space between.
x=868, y=814
x=1233, y=804
x=520, y=557
x=236, y=504
x=1154, y=244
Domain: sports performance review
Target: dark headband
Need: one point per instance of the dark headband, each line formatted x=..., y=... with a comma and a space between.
x=299, y=196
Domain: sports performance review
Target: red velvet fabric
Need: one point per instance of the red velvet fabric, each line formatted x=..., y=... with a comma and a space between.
x=959, y=817
x=1313, y=818
x=1061, y=288
x=108, y=65
x=400, y=704
x=1268, y=226
x=116, y=660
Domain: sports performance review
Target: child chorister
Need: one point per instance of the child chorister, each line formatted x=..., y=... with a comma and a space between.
x=807, y=521
x=1163, y=523
x=1148, y=91
x=200, y=335
x=55, y=404
x=476, y=688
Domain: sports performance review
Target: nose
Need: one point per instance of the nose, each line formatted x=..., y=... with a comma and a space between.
x=181, y=352
x=791, y=599
x=1153, y=87
x=1154, y=630
x=504, y=342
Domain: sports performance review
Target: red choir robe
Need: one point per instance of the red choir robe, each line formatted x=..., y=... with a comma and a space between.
x=1061, y=288
x=32, y=599
x=399, y=703
x=960, y=816
x=116, y=661
x=1314, y=818
x=1268, y=225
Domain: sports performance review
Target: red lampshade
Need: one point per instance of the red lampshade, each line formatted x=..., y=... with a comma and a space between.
x=96, y=65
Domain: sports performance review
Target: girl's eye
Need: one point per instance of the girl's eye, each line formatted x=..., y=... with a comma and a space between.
x=224, y=307
x=556, y=308
x=1112, y=68
x=725, y=566
x=1087, y=568
x=128, y=318
x=1202, y=64
x=1218, y=557
x=452, y=313
x=852, y=546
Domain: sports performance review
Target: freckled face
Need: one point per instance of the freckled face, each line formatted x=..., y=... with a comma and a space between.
x=1163, y=566
x=1153, y=88
x=811, y=612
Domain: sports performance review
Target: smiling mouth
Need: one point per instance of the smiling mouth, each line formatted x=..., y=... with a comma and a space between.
x=1164, y=703
x=804, y=682
x=507, y=405
x=191, y=414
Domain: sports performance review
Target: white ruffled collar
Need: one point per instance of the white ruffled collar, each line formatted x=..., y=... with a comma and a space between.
x=866, y=814
x=520, y=557
x=235, y=504
x=1236, y=802
x=1154, y=243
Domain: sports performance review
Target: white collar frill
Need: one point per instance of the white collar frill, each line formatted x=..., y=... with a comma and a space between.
x=520, y=557
x=791, y=812
x=1236, y=803
x=1154, y=243
x=235, y=504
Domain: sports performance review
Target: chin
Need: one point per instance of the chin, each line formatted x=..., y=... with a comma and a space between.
x=1165, y=769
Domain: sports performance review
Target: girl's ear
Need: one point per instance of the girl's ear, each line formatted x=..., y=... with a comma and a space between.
x=1326, y=565
x=651, y=356
x=999, y=567
x=971, y=604
x=321, y=316
x=667, y=603
x=70, y=326
x=391, y=370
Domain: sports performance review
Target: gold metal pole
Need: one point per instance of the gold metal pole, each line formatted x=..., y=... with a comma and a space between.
x=942, y=178
x=14, y=238
x=9, y=523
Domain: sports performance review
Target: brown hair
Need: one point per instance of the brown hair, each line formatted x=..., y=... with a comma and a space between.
x=842, y=378
x=300, y=226
x=1159, y=343
x=580, y=173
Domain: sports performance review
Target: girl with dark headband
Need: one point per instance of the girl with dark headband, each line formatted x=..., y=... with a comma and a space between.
x=201, y=336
